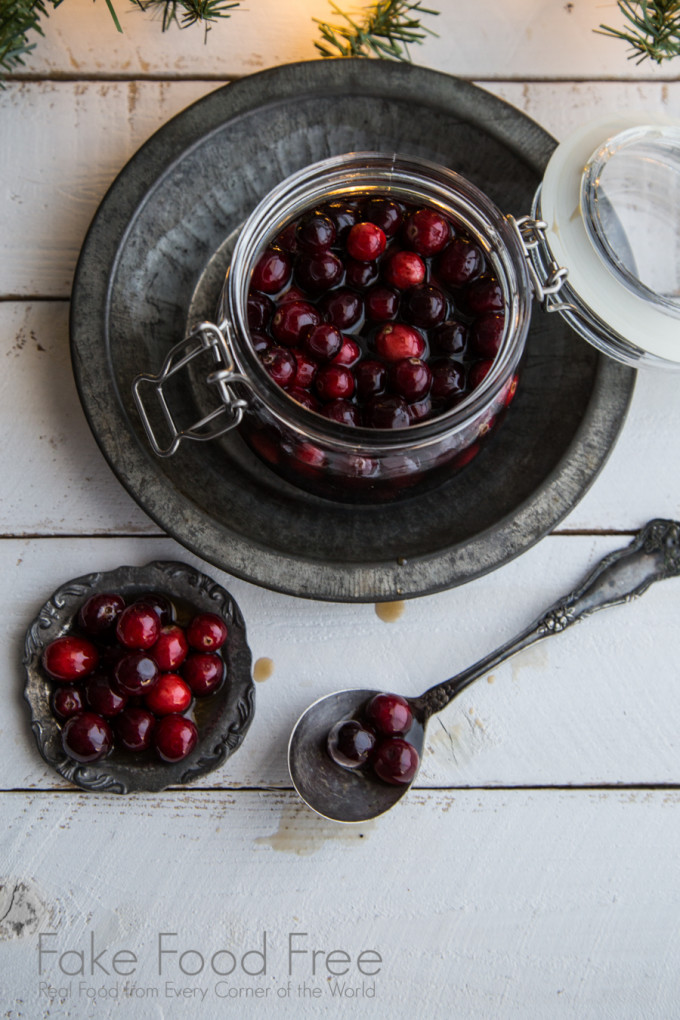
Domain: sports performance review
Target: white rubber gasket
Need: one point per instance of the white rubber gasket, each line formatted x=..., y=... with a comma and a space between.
x=644, y=325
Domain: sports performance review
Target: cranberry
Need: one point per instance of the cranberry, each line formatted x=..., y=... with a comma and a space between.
x=67, y=701
x=427, y=232
x=171, y=649
x=334, y=382
x=138, y=626
x=478, y=372
x=134, y=728
x=366, y=242
x=207, y=632
x=272, y=271
x=419, y=410
x=171, y=694
x=396, y=761
x=315, y=232
x=163, y=606
x=411, y=378
x=343, y=216
x=136, y=673
x=306, y=369
x=341, y=411
x=448, y=379
x=322, y=342
x=385, y=213
x=175, y=737
x=425, y=306
x=310, y=458
x=389, y=714
x=259, y=309
x=350, y=744
x=387, y=412
x=102, y=697
x=361, y=274
x=292, y=294
x=343, y=308
x=99, y=613
x=451, y=337
x=349, y=353
x=487, y=333
x=204, y=672
x=319, y=272
x=280, y=365
x=291, y=318
x=460, y=263
x=396, y=341
x=86, y=737
x=485, y=296
x=287, y=239
x=70, y=658
x=371, y=378
x=382, y=304
x=404, y=269
x=304, y=397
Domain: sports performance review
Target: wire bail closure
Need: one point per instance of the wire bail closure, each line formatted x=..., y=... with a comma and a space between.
x=206, y=336
x=531, y=234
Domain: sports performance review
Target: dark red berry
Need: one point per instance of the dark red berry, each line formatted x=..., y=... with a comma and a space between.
x=171, y=694
x=427, y=232
x=478, y=372
x=315, y=232
x=306, y=369
x=304, y=397
x=450, y=338
x=448, y=379
x=272, y=271
x=334, y=382
x=341, y=411
x=99, y=613
x=382, y=304
x=134, y=728
x=395, y=761
x=322, y=342
x=350, y=744
x=138, y=626
x=424, y=306
x=207, y=632
x=411, y=378
x=419, y=410
x=343, y=308
x=385, y=213
x=259, y=309
x=387, y=412
x=404, y=269
x=366, y=242
x=460, y=263
x=484, y=296
x=280, y=365
x=487, y=333
x=67, y=701
x=171, y=649
x=70, y=658
x=371, y=378
x=174, y=737
x=389, y=715
x=86, y=737
x=342, y=215
x=361, y=274
x=319, y=272
x=102, y=697
x=136, y=673
x=396, y=341
x=291, y=318
x=204, y=672
x=349, y=353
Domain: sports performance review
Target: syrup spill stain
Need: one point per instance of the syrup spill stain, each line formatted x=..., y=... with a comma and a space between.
x=389, y=612
x=263, y=669
x=21, y=910
x=529, y=658
x=303, y=832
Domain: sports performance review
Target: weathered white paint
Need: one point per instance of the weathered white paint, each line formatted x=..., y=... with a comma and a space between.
x=525, y=39
x=480, y=904
x=582, y=707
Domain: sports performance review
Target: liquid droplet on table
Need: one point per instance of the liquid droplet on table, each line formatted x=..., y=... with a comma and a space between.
x=388, y=612
x=263, y=669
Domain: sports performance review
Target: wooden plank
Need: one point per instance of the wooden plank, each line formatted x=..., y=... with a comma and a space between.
x=523, y=904
x=81, y=134
x=55, y=480
x=528, y=39
x=595, y=705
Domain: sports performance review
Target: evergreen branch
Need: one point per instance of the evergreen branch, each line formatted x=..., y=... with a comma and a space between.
x=386, y=30
x=188, y=12
x=18, y=18
x=655, y=32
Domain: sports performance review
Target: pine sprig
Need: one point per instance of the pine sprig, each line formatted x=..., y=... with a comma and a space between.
x=188, y=12
x=385, y=30
x=18, y=20
x=654, y=32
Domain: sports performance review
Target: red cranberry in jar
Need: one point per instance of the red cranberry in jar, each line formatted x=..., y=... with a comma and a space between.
x=280, y=364
x=384, y=212
x=450, y=337
x=371, y=378
x=487, y=333
x=382, y=304
x=315, y=232
x=425, y=306
x=396, y=341
x=427, y=232
x=260, y=310
x=341, y=411
x=404, y=269
x=361, y=274
x=460, y=263
x=411, y=379
x=349, y=353
x=343, y=308
x=322, y=342
x=448, y=379
x=319, y=272
x=483, y=296
x=291, y=319
x=343, y=216
x=366, y=242
x=334, y=382
x=387, y=412
x=272, y=271
x=307, y=368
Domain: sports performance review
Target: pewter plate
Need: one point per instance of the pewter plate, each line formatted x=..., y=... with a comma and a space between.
x=154, y=261
x=222, y=718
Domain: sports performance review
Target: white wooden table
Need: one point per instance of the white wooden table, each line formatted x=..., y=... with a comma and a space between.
x=535, y=870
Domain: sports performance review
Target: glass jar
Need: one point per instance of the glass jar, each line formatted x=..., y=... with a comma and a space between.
x=331, y=459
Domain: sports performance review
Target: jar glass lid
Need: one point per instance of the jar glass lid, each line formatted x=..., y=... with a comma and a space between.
x=611, y=200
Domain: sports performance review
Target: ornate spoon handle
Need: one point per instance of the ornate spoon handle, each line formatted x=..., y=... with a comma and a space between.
x=653, y=555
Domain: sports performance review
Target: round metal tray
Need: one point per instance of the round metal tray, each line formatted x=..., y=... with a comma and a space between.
x=155, y=255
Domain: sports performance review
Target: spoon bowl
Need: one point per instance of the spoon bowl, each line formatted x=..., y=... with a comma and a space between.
x=355, y=795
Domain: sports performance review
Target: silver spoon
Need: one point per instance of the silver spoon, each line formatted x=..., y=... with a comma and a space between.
x=352, y=795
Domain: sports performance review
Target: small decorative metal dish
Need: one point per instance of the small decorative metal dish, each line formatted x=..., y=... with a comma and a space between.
x=222, y=719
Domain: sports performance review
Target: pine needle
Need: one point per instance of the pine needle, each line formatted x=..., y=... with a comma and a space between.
x=385, y=30
x=654, y=32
